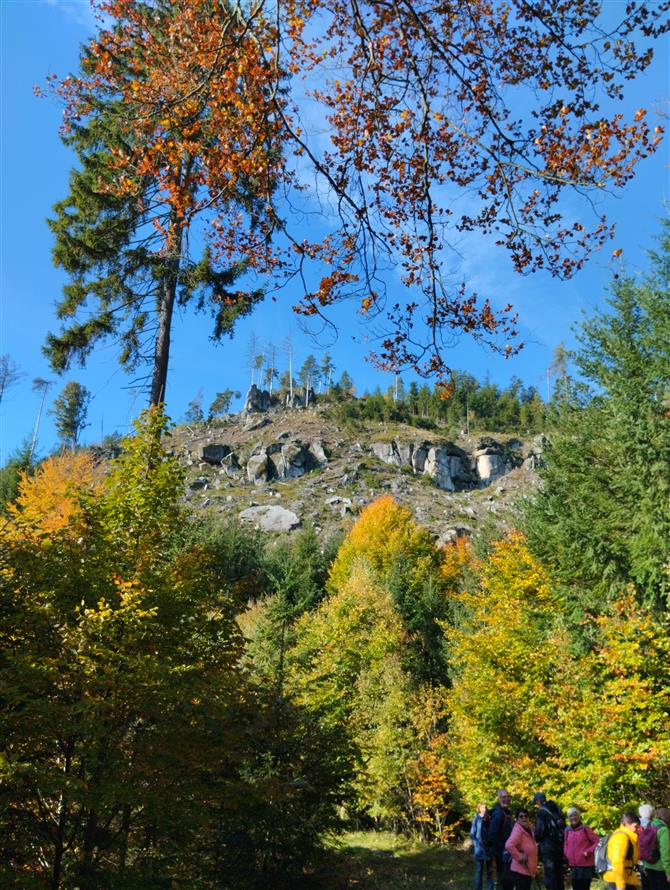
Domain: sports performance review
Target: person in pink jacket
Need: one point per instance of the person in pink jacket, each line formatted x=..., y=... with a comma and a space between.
x=578, y=845
x=522, y=848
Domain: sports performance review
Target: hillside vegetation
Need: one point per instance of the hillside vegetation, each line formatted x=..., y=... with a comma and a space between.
x=192, y=701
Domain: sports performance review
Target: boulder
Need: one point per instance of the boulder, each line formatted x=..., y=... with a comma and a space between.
x=255, y=423
x=257, y=467
x=491, y=465
x=492, y=460
x=214, y=453
x=200, y=482
x=450, y=535
x=257, y=400
x=270, y=518
x=319, y=451
x=291, y=460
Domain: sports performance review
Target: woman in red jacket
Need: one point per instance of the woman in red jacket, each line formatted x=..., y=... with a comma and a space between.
x=522, y=848
x=578, y=846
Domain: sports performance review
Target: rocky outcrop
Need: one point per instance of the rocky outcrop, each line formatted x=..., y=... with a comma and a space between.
x=287, y=460
x=451, y=468
x=387, y=452
x=257, y=400
x=271, y=518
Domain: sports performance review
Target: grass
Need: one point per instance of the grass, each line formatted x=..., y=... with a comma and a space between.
x=384, y=861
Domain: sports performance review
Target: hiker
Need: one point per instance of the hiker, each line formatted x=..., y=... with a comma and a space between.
x=646, y=838
x=549, y=833
x=500, y=828
x=578, y=845
x=522, y=848
x=479, y=832
x=657, y=872
x=623, y=854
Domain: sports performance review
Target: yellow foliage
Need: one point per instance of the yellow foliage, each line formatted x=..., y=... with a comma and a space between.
x=51, y=500
x=384, y=532
x=504, y=658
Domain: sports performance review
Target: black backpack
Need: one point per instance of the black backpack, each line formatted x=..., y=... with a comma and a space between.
x=555, y=826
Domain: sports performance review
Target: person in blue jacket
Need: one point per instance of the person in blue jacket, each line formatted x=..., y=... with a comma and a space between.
x=479, y=832
x=500, y=828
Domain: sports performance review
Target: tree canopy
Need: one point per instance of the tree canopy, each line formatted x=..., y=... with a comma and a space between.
x=190, y=110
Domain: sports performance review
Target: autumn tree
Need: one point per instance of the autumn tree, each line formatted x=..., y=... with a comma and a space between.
x=70, y=410
x=619, y=690
x=167, y=148
x=185, y=109
x=122, y=692
x=504, y=654
x=346, y=665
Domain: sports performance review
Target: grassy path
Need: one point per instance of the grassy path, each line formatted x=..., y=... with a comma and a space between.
x=383, y=861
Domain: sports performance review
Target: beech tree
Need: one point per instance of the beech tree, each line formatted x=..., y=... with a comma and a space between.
x=183, y=111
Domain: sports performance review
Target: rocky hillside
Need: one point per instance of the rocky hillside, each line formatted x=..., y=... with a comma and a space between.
x=280, y=468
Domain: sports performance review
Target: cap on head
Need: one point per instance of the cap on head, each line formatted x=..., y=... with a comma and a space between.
x=646, y=811
x=540, y=797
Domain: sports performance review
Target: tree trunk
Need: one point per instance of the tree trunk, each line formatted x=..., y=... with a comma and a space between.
x=165, y=310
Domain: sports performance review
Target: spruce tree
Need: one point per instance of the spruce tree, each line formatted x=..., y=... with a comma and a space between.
x=602, y=516
x=121, y=237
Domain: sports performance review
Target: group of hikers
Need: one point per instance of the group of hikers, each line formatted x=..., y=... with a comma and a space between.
x=636, y=855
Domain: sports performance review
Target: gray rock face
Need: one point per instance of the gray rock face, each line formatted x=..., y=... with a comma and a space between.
x=419, y=457
x=490, y=466
x=257, y=400
x=214, y=453
x=318, y=451
x=271, y=518
x=257, y=468
x=493, y=460
x=387, y=452
x=438, y=467
x=450, y=467
x=288, y=460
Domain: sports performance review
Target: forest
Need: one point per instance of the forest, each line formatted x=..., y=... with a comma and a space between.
x=184, y=704
x=188, y=704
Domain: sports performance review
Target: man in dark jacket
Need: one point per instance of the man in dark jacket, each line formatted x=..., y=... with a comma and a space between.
x=549, y=833
x=500, y=828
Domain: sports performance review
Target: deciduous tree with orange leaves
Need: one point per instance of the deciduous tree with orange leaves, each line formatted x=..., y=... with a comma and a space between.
x=441, y=118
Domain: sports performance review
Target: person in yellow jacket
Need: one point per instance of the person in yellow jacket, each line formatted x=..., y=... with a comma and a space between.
x=622, y=854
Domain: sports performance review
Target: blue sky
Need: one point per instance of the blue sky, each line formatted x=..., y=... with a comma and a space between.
x=41, y=36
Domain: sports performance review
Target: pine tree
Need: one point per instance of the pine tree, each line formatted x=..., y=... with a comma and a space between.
x=326, y=369
x=70, y=410
x=309, y=376
x=221, y=404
